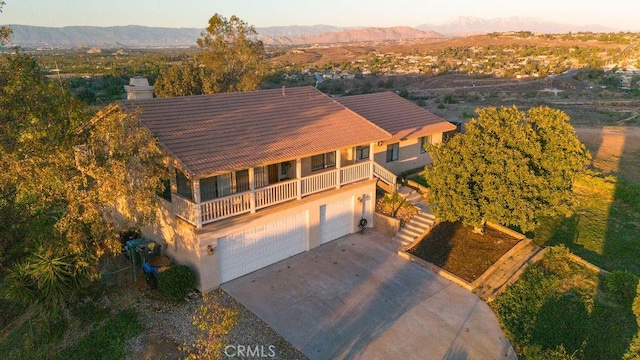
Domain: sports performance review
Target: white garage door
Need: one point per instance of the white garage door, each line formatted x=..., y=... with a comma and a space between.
x=253, y=249
x=336, y=220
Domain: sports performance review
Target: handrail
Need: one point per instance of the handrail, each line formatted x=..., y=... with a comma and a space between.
x=275, y=194
x=384, y=174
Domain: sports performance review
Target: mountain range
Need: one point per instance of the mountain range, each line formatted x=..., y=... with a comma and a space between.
x=149, y=37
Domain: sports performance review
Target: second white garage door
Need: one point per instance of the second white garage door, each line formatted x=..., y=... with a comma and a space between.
x=253, y=249
x=336, y=220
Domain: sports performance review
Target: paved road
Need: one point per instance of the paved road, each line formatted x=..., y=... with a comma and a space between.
x=355, y=298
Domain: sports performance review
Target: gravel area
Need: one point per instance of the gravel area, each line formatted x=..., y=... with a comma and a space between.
x=169, y=328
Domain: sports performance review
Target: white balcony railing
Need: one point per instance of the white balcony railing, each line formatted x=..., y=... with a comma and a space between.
x=184, y=209
x=276, y=194
x=384, y=174
x=319, y=182
x=357, y=172
x=214, y=210
x=225, y=207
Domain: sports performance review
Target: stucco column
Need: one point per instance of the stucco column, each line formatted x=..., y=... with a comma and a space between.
x=252, y=188
x=338, y=164
x=299, y=178
x=371, y=158
x=196, y=199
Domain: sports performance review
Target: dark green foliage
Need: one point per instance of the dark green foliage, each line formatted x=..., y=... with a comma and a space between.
x=559, y=309
x=623, y=284
x=176, y=282
x=449, y=99
x=230, y=59
x=106, y=342
x=509, y=167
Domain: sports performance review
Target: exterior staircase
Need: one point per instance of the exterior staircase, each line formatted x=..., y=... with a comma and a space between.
x=419, y=223
x=507, y=270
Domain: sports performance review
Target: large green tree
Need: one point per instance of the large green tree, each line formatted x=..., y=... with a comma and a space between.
x=56, y=219
x=5, y=31
x=509, y=167
x=231, y=59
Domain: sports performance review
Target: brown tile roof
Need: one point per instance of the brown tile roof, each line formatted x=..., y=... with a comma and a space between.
x=210, y=133
x=400, y=117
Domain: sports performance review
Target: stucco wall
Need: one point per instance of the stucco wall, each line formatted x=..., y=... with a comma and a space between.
x=409, y=156
x=178, y=238
x=209, y=235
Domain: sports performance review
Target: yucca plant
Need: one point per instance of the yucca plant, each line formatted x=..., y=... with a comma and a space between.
x=46, y=279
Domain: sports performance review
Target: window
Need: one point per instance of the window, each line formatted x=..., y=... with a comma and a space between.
x=165, y=191
x=184, y=185
x=424, y=141
x=323, y=161
x=392, y=152
x=362, y=153
x=260, y=177
x=224, y=185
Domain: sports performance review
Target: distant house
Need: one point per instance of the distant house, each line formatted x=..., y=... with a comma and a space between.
x=263, y=175
x=411, y=128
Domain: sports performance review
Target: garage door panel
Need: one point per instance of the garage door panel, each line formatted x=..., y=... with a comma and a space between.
x=335, y=220
x=250, y=250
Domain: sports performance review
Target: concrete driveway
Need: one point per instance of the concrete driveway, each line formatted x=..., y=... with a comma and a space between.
x=356, y=298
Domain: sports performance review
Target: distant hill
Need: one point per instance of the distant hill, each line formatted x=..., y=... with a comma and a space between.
x=93, y=36
x=152, y=37
x=471, y=25
x=351, y=35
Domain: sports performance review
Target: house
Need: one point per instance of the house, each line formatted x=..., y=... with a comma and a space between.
x=411, y=128
x=260, y=176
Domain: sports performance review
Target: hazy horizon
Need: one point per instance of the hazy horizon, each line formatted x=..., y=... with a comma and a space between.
x=620, y=15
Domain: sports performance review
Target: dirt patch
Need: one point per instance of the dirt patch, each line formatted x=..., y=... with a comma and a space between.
x=455, y=248
x=615, y=149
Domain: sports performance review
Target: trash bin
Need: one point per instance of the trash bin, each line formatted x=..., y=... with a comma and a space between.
x=131, y=250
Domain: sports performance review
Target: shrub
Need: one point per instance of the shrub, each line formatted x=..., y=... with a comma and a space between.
x=176, y=282
x=622, y=283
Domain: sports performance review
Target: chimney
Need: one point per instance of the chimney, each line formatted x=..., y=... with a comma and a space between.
x=138, y=88
x=283, y=92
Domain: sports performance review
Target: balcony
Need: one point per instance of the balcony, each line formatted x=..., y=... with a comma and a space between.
x=250, y=201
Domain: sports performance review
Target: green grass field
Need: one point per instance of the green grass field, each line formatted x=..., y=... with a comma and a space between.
x=605, y=228
x=561, y=310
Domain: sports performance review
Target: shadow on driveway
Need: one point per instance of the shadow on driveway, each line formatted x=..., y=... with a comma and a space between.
x=355, y=298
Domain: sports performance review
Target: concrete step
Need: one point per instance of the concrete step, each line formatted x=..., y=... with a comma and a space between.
x=414, y=227
x=402, y=241
x=424, y=218
x=523, y=254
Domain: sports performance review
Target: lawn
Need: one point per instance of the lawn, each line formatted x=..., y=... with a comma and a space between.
x=605, y=228
x=457, y=249
x=559, y=309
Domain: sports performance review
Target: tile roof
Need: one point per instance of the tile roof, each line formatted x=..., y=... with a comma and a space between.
x=227, y=131
x=400, y=117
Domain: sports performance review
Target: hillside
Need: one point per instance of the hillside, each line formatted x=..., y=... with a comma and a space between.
x=352, y=36
x=154, y=37
x=465, y=25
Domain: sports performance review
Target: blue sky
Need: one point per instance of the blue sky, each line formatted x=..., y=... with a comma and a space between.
x=622, y=14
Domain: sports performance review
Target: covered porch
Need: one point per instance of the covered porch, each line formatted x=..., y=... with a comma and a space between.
x=209, y=199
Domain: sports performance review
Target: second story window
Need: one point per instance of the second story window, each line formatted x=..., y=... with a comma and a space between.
x=165, y=193
x=323, y=161
x=424, y=141
x=393, y=150
x=362, y=153
x=184, y=185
